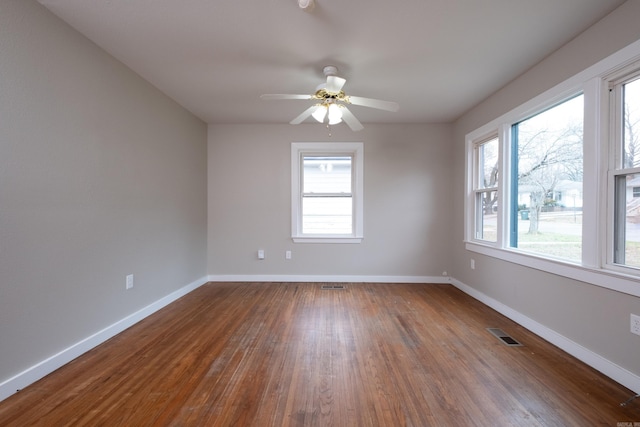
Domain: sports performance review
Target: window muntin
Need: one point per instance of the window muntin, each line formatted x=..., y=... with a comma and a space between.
x=546, y=180
x=486, y=189
x=625, y=106
x=327, y=190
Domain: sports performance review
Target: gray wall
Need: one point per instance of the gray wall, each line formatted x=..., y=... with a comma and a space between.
x=594, y=317
x=406, y=205
x=101, y=176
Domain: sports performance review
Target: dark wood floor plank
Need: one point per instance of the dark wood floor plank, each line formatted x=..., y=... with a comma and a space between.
x=293, y=354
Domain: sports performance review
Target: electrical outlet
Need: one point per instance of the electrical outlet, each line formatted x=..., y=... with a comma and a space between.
x=287, y=255
x=635, y=324
x=473, y=264
x=129, y=281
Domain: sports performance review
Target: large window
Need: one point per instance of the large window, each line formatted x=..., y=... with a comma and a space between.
x=547, y=181
x=543, y=182
x=554, y=184
x=327, y=195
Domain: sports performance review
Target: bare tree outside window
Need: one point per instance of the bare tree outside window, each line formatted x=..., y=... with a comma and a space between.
x=631, y=124
x=549, y=180
x=486, y=189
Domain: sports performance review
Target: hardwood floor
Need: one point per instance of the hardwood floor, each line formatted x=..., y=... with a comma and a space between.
x=293, y=354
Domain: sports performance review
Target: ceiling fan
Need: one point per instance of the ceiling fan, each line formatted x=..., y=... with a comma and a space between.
x=332, y=102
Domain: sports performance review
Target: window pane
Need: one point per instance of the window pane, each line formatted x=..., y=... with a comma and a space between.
x=486, y=215
x=631, y=125
x=327, y=215
x=627, y=222
x=326, y=174
x=488, y=164
x=548, y=178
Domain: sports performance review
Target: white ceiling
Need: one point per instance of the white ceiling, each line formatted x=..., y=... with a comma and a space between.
x=436, y=58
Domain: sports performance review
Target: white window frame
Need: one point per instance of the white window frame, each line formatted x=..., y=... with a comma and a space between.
x=595, y=267
x=479, y=188
x=353, y=149
x=613, y=83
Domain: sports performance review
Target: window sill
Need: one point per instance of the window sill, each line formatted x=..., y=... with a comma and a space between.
x=329, y=239
x=608, y=279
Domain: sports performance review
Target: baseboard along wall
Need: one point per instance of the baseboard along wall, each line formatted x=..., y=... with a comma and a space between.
x=608, y=368
x=45, y=367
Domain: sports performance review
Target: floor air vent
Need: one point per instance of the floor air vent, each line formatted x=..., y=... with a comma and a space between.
x=333, y=287
x=504, y=337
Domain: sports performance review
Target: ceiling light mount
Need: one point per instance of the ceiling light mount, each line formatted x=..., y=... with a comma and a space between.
x=307, y=5
x=330, y=70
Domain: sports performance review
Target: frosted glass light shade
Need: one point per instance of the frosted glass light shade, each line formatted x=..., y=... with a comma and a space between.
x=320, y=112
x=335, y=115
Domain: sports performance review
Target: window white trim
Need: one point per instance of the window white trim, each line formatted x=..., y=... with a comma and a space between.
x=354, y=149
x=594, y=268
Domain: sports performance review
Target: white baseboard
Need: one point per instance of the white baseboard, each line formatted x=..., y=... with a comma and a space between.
x=45, y=367
x=38, y=371
x=328, y=278
x=608, y=368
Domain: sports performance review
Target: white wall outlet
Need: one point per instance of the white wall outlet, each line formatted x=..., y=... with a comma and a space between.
x=473, y=264
x=287, y=255
x=635, y=324
x=129, y=281
x=260, y=253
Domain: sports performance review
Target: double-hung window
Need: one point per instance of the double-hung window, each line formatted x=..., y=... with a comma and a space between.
x=485, y=183
x=625, y=173
x=327, y=192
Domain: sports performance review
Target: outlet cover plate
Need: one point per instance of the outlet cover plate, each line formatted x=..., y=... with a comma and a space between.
x=635, y=324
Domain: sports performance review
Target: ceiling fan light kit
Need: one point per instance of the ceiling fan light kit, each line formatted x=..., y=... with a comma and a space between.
x=333, y=101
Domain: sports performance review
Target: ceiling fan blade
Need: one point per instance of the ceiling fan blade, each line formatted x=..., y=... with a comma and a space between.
x=374, y=103
x=350, y=119
x=306, y=113
x=334, y=84
x=277, y=96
